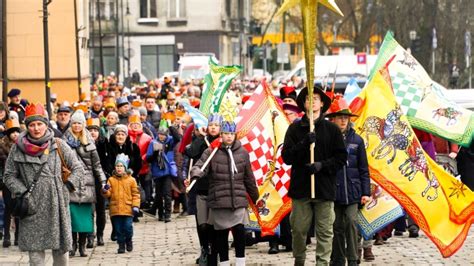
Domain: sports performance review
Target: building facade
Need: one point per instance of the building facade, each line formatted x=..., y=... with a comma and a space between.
x=150, y=35
x=25, y=50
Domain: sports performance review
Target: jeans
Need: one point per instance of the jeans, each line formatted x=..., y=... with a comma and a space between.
x=163, y=193
x=344, y=244
x=59, y=259
x=7, y=215
x=123, y=226
x=301, y=216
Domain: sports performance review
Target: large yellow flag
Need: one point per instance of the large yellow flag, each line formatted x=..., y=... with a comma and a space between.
x=441, y=205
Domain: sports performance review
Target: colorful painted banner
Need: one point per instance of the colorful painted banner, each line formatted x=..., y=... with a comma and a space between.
x=261, y=126
x=441, y=205
x=216, y=84
x=381, y=211
x=423, y=100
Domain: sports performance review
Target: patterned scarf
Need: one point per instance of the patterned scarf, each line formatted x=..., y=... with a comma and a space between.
x=35, y=147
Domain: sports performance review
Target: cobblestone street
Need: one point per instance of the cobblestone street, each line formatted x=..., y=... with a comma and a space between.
x=176, y=243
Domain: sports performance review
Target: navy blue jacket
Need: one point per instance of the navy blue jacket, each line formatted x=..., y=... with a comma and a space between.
x=353, y=180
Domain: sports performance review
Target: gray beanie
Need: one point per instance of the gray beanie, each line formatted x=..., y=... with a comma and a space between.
x=142, y=110
x=121, y=128
x=78, y=117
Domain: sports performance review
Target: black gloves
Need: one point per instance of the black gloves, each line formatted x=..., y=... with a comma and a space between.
x=313, y=168
x=309, y=139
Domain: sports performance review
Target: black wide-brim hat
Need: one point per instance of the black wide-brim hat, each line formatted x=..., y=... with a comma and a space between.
x=342, y=112
x=300, y=100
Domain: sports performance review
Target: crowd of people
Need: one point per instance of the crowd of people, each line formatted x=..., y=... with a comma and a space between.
x=135, y=150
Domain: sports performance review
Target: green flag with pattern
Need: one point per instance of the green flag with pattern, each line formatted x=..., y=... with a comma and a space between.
x=216, y=84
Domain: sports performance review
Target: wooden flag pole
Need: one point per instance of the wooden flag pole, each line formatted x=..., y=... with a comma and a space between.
x=202, y=169
x=310, y=17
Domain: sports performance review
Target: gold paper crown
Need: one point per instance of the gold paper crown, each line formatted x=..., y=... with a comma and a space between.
x=11, y=123
x=35, y=110
x=81, y=106
x=93, y=122
x=134, y=119
x=137, y=103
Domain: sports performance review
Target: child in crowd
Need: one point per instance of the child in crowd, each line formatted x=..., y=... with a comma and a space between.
x=124, y=196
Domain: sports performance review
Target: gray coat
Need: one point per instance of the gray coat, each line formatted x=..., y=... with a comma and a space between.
x=89, y=158
x=49, y=227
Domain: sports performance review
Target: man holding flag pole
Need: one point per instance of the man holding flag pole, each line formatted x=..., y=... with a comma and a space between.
x=306, y=158
x=329, y=156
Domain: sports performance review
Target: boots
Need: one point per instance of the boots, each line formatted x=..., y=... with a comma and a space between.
x=121, y=248
x=82, y=244
x=72, y=252
x=90, y=241
x=273, y=248
x=129, y=246
x=100, y=240
x=202, y=260
x=368, y=255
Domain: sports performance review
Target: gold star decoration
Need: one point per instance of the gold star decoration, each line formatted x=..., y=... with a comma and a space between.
x=458, y=188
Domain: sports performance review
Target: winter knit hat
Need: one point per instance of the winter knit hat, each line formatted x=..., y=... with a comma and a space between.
x=123, y=159
x=121, y=128
x=78, y=117
x=142, y=111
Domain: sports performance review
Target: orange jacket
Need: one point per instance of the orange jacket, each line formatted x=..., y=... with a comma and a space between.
x=123, y=194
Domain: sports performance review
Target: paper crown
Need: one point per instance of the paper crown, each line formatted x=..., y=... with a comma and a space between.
x=93, y=122
x=123, y=159
x=339, y=106
x=228, y=127
x=137, y=103
x=109, y=104
x=35, y=110
x=134, y=118
x=163, y=128
x=194, y=102
x=81, y=106
x=11, y=124
x=215, y=118
x=122, y=101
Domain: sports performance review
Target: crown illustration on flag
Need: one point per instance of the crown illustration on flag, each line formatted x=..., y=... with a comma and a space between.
x=93, y=122
x=134, y=118
x=35, y=110
x=123, y=159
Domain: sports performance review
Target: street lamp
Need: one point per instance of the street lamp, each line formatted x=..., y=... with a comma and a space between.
x=128, y=16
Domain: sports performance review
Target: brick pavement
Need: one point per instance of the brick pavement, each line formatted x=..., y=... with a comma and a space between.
x=175, y=243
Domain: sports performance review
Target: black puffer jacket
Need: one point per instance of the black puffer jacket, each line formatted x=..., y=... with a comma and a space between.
x=329, y=150
x=128, y=148
x=226, y=189
x=194, y=151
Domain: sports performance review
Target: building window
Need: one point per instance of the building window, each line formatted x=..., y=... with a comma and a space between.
x=148, y=9
x=109, y=59
x=107, y=9
x=177, y=8
x=156, y=60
